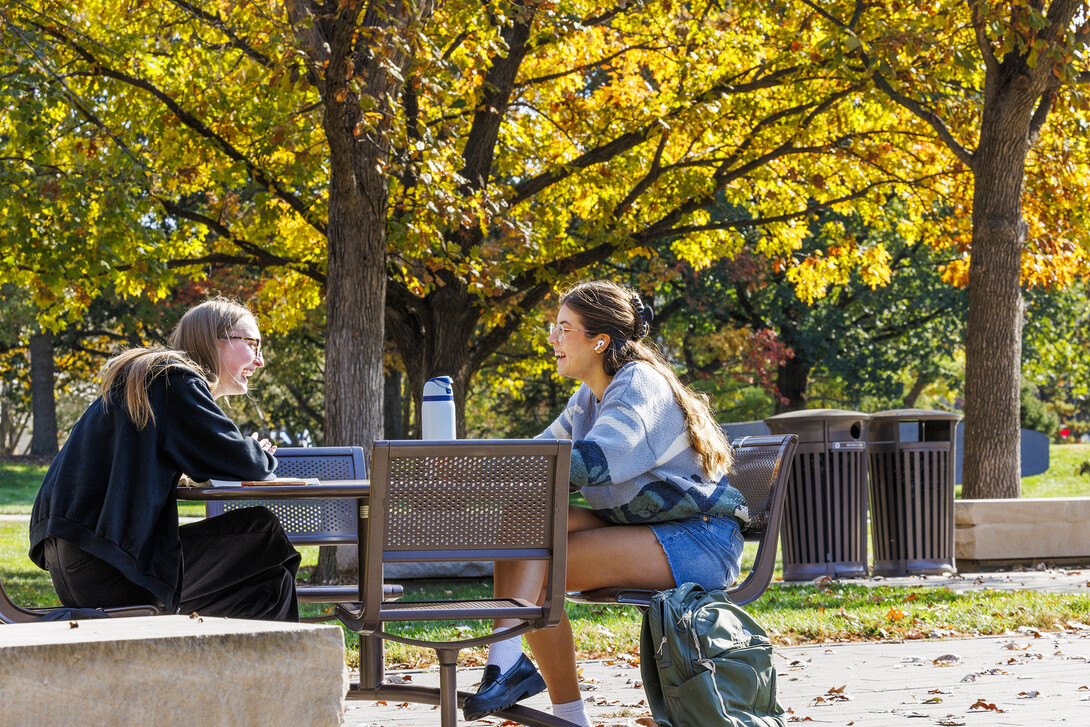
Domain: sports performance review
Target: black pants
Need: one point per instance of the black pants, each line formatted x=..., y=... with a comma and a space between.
x=239, y=564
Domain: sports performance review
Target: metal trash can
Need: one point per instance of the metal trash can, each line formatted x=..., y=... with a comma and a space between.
x=911, y=453
x=824, y=529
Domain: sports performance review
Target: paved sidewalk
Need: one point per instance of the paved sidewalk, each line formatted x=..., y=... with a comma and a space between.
x=1026, y=678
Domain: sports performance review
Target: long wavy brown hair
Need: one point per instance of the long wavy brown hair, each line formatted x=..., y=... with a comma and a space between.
x=607, y=307
x=192, y=346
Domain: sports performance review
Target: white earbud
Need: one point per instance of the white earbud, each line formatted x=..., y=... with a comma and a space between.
x=599, y=346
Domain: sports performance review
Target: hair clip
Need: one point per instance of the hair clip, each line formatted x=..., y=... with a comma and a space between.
x=644, y=315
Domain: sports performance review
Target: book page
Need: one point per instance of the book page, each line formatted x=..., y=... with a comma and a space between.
x=296, y=481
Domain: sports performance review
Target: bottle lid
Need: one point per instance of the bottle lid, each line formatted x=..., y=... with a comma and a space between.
x=439, y=388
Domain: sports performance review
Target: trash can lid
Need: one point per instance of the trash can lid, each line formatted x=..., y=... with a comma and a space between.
x=818, y=414
x=916, y=414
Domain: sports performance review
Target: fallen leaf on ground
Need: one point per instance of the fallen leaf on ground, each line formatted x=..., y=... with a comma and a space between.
x=981, y=704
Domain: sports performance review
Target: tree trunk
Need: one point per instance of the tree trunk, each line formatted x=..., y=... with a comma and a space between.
x=360, y=41
x=392, y=428
x=434, y=336
x=792, y=377
x=43, y=440
x=922, y=380
x=993, y=338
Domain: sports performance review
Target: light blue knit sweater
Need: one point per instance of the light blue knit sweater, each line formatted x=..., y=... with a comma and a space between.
x=631, y=456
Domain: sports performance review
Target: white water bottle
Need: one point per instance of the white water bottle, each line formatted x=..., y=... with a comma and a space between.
x=437, y=411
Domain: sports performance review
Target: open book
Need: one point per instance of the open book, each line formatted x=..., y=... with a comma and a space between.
x=296, y=481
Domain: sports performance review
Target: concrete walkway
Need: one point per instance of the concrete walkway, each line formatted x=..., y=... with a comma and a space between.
x=1025, y=678
x=1018, y=679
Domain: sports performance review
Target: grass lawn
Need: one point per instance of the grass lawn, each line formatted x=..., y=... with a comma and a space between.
x=793, y=614
x=1062, y=479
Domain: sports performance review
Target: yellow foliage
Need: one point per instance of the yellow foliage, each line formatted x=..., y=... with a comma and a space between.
x=956, y=272
x=814, y=274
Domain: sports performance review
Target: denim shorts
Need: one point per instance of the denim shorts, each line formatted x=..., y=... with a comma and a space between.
x=704, y=549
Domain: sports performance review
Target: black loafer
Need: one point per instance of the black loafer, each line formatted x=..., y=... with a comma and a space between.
x=500, y=691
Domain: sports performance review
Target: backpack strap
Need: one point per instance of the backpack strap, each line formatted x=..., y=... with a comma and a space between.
x=652, y=684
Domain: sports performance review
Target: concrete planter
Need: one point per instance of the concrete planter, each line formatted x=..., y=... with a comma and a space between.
x=993, y=533
x=172, y=670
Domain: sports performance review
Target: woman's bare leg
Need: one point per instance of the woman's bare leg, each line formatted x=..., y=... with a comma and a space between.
x=599, y=555
x=526, y=578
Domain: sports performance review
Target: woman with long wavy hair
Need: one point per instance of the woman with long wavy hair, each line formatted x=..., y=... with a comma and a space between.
x=105, y=521
x=651, y=461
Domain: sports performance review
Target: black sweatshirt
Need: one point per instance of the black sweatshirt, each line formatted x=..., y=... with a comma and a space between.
x=111, y=490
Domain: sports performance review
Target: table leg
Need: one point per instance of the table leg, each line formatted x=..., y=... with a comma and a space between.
x=372, y=664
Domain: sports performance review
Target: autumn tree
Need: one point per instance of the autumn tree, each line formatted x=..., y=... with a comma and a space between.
x=981, y=80
x=584, y=137
x=456, y=161
x=470, y=154
x=263, y=141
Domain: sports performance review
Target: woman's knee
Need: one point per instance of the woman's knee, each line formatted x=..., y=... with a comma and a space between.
x=581, y=518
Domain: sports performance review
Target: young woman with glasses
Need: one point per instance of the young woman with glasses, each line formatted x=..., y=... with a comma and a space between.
x=105, y=521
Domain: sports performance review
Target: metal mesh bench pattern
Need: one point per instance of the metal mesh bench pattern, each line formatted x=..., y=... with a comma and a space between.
x=311, y=522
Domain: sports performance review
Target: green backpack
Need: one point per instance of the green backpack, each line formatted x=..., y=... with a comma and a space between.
x=706, y=662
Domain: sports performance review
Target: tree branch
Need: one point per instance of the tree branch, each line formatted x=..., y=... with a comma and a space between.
x=991, y=63
x=929, y=117
x=259, y=256
x=219, y=24
x=194, y=124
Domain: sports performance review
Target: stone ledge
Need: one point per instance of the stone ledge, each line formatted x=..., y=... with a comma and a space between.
x=1028, y=530
x=172, y=670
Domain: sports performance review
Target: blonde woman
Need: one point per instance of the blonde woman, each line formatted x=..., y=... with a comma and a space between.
x=105, y=522
x=651, y=461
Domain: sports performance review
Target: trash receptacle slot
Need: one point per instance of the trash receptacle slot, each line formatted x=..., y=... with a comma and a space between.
x=938, y=431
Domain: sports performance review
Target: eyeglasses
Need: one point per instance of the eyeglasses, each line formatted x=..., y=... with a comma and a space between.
x=558, y=330
x=253, y=343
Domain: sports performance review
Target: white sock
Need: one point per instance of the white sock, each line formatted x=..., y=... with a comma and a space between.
x=505, y=654
x=573, y=712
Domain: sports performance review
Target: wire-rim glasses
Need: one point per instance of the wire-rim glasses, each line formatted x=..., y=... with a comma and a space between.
x=253, y=343
x=558, y=330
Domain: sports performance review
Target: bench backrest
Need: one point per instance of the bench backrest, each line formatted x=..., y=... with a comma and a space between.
x=761, y=468
x=468, y=500
x=759, y=462
x=330, y=521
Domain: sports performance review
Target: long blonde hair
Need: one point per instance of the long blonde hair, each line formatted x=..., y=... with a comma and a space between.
x=192, y=346
x=607, y=307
